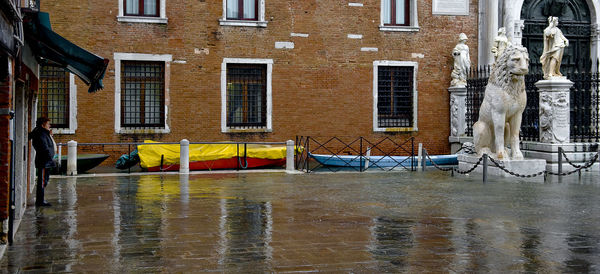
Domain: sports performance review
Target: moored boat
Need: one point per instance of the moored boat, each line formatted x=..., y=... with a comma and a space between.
x=379, y=161
x=165, y=157
x=85, y=162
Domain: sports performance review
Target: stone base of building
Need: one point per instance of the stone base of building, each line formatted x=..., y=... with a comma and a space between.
x=578, y=154
x=522, y=167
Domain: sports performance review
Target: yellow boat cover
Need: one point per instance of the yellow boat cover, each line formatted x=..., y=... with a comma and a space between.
x=150, y=154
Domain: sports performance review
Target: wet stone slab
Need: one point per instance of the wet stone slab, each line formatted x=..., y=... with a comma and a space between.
x=345, y=222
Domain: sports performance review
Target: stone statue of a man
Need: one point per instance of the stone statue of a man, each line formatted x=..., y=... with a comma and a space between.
x=462, y=62
x=500, y=43
x=554, y=47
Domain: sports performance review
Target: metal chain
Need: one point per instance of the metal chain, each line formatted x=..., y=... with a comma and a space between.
x=471, y=169
x=515, y=174
x=500, y=166
x=569, y=161
x=587, y=165
x=454, y=168
x=435, y=165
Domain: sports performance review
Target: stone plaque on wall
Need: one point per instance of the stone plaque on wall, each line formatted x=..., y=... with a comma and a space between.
x=450, y=7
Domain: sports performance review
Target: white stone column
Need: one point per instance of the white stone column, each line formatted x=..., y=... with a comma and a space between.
x=492, y=28
x=595, y=45
x=289, y=158
x=554, y=110
x=184, y=156
x=72, y=158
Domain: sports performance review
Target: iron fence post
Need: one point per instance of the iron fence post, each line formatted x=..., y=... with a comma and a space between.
x=412, y=154
x=485, y=166
x=360, y=159
x=560, y=150
x=307, y=154
x=129, y=154
x=423, y=159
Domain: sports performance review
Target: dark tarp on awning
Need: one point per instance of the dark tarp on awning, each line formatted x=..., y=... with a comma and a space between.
x=59, y=51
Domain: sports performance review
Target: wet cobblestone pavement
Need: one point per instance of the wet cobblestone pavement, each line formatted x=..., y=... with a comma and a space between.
x=345, y=222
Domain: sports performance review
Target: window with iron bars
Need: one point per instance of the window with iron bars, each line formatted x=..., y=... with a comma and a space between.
x=53, y=97
x=142, y=94
x=395, y=96
x=246, y=95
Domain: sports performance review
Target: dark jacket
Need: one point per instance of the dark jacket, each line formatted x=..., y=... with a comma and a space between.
x=44, y=147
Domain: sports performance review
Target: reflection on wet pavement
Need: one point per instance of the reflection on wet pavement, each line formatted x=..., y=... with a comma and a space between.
x=378, y=222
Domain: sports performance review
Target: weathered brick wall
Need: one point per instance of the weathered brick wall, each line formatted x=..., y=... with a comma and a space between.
x=321, y=87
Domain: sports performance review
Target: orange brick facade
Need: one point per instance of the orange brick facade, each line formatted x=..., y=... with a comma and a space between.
x=323, y=86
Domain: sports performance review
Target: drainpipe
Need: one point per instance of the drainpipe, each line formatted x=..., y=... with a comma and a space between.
x=11, y=195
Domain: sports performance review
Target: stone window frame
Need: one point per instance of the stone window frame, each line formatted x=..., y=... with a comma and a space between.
x=160, y=19
x=260, y=22
x=415, y=66
x=72, y=108
x=413, y=26
x=269, y=124
x=118, y=57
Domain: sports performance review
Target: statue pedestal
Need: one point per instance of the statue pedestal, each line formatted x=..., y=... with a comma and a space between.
x=458, y=112
x=578, y=153
x=554, y=110
x=522, y=167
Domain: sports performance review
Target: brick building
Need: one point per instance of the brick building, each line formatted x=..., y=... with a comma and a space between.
x=261, y=70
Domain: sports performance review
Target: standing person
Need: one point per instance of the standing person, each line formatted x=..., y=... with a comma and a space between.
x=43, y=143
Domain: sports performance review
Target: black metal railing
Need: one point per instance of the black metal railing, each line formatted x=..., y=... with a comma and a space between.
x=355, y=154
x=584, y=103
x=476, y=82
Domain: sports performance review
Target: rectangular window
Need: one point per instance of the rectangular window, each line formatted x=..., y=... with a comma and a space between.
x=53, y=98
x=246, y=95
x=141, y=8
x=242, y=10
x=395, y=96
x=142, y=94
x=396, y=12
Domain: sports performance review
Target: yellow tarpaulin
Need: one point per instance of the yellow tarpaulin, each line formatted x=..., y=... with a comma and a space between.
x=150, y=154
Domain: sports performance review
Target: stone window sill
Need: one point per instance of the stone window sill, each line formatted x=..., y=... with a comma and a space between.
x=141, y=19
x=397, y=129
x=243, y=23
x=399, y=28
x=246, y=130
x=143, y=130
x=63, y=131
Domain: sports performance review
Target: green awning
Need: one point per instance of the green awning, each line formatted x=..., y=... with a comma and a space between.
x=59, y=51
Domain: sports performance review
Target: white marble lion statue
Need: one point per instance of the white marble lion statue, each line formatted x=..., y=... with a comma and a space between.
x=503, y=104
